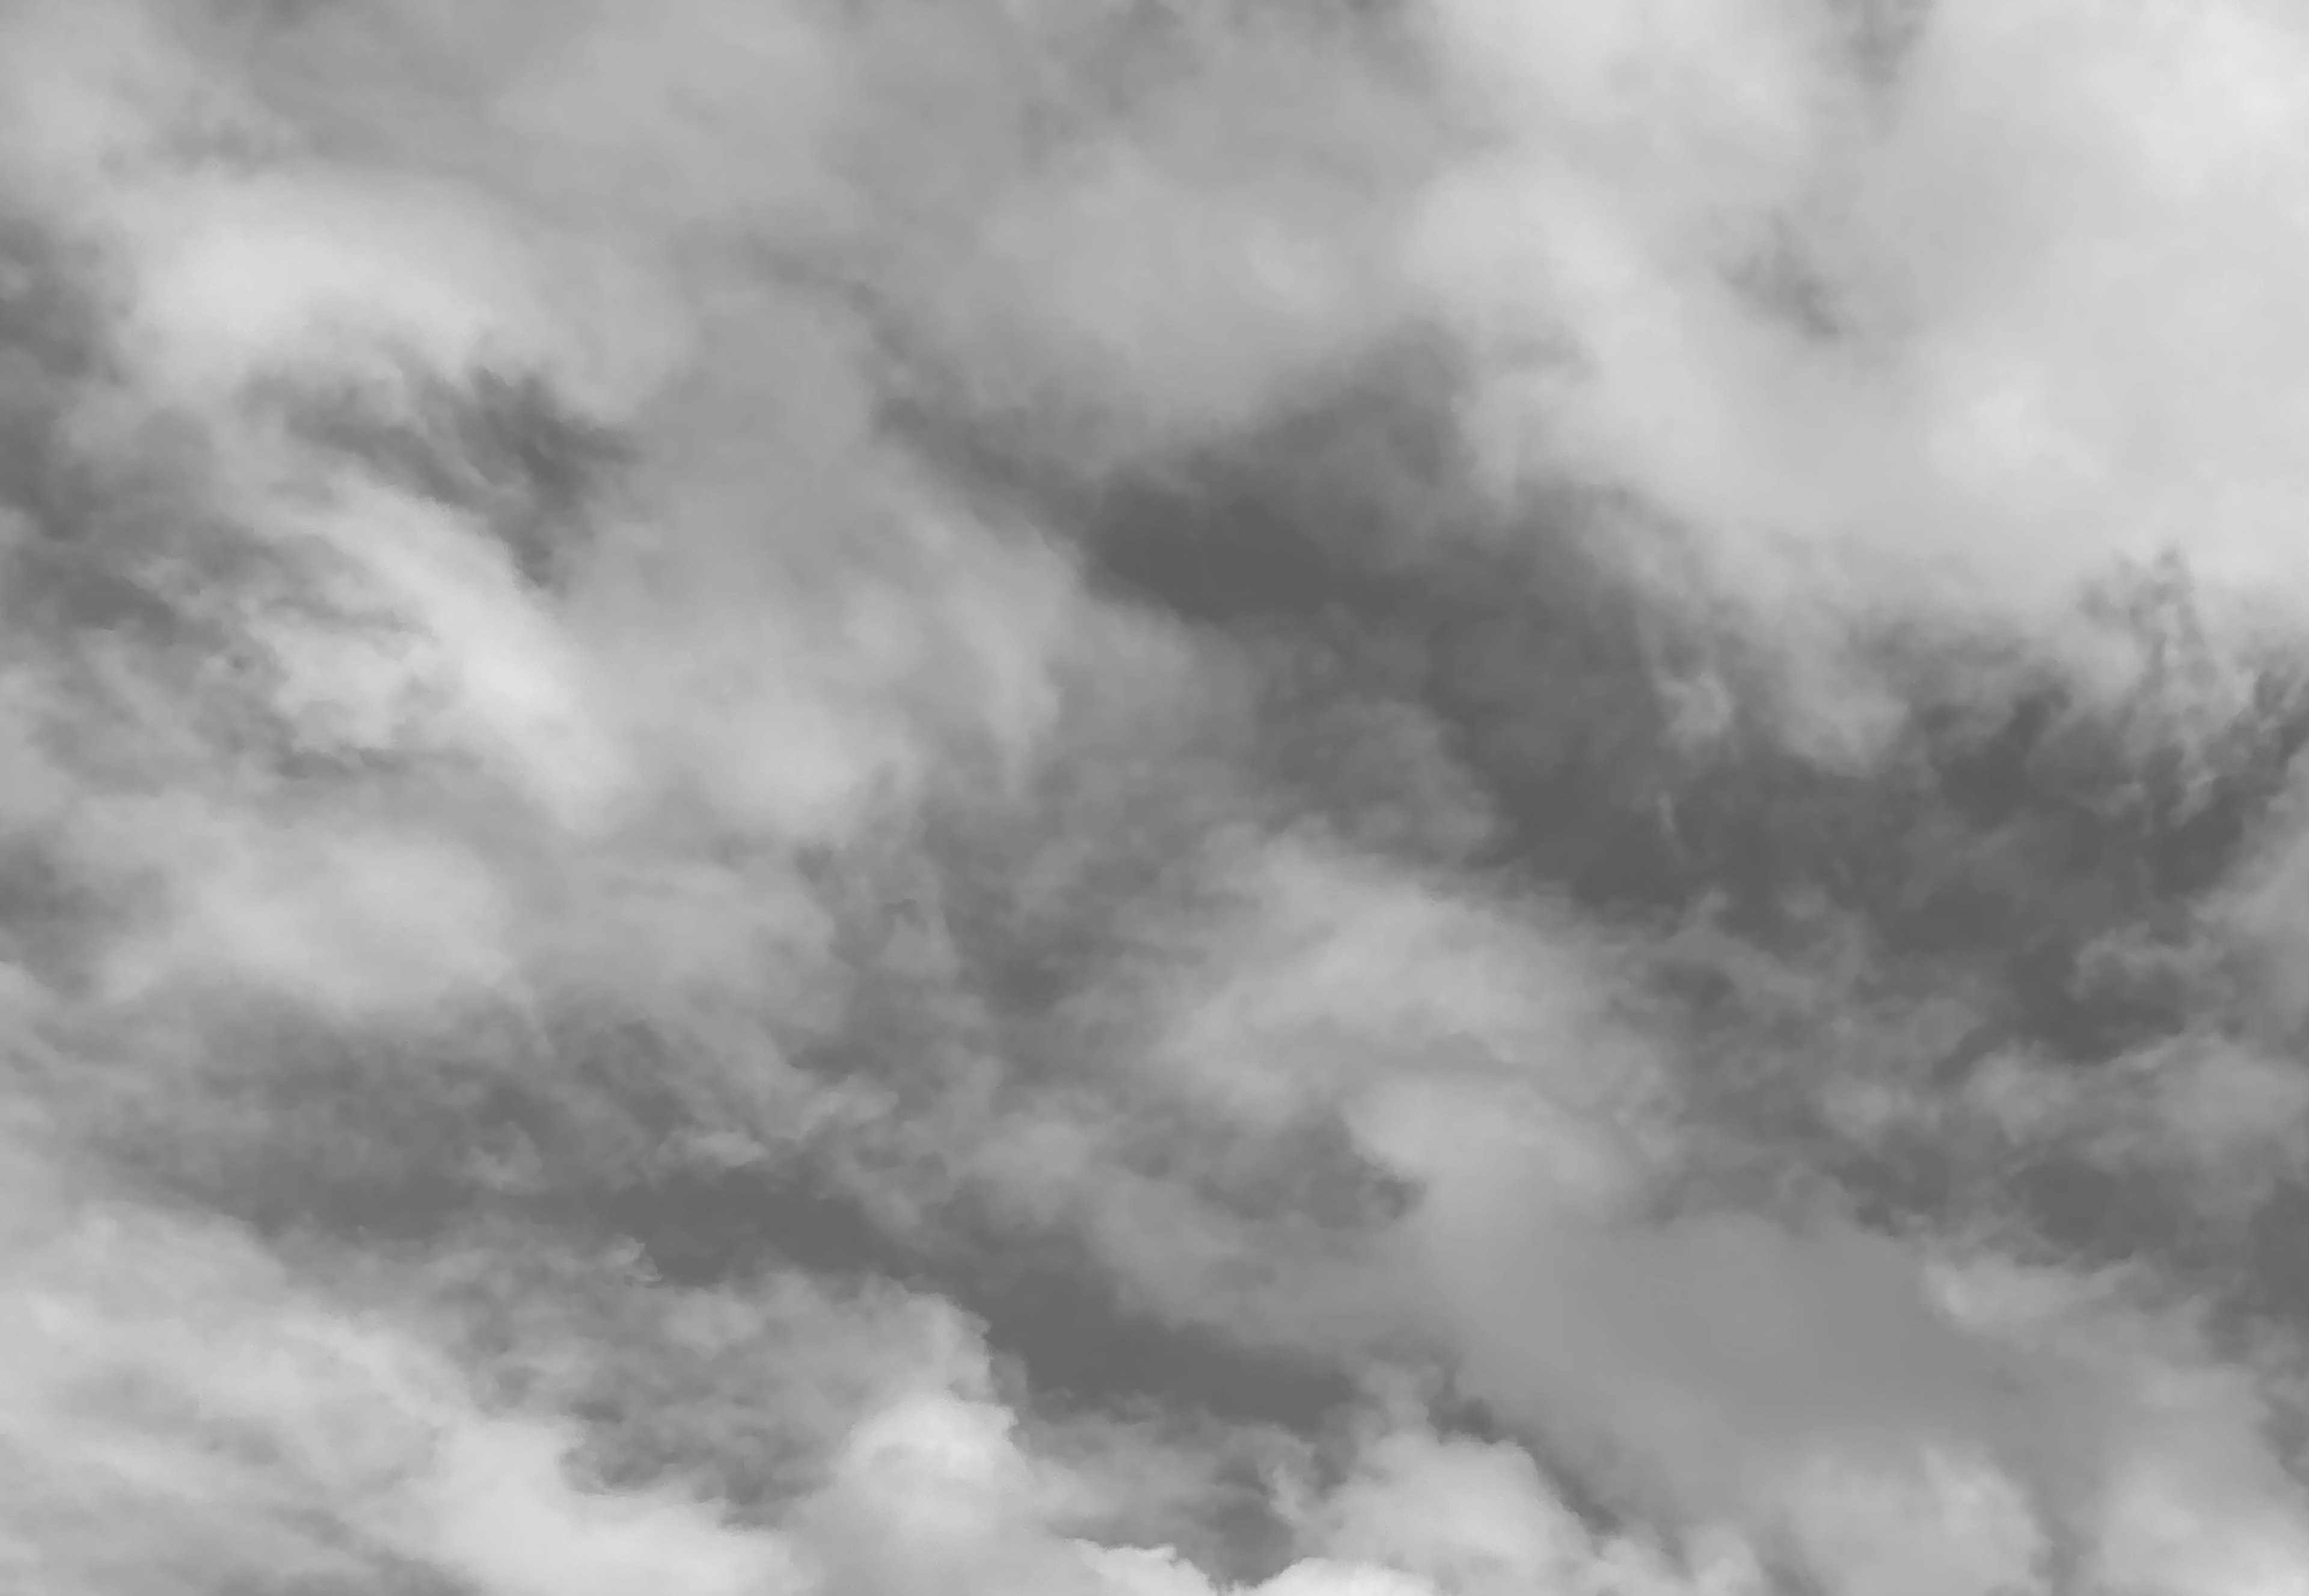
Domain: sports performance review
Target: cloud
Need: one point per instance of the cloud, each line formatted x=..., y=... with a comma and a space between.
x=175, y=1404
x=1963, y=334
x=1150, y=798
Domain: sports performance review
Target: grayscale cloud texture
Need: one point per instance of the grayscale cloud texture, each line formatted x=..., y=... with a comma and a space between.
x=1152, y=797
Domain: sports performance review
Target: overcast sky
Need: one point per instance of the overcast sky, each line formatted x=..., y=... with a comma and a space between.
x=1153, y=797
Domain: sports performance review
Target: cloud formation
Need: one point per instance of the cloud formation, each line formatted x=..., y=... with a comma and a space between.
x=1150, y=799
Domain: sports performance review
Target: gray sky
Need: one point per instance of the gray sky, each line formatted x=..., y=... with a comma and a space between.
x=1152, y=797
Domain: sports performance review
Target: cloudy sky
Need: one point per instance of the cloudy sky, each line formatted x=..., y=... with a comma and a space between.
x=1153, y=797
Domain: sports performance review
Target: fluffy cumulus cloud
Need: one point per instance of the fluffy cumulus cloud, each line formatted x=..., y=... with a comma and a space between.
x=1152, y=797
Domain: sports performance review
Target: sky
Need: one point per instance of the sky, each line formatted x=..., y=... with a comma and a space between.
x=1154, y=798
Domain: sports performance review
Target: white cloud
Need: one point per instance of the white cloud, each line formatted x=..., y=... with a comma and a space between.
x=2055, y=248
x=355, y=924
x=498, y=1512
